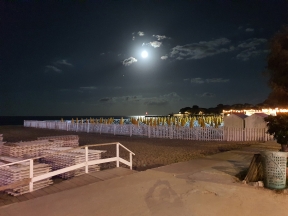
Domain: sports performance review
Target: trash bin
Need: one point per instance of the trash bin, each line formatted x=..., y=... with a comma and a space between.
x=274, y=169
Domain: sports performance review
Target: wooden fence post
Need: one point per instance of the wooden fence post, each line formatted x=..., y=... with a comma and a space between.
x=149, y=131
x=131, y=127
x=31, y=175
x=117, y=154
x=86, y=159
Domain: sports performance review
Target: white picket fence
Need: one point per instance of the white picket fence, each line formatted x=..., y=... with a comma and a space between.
x=165, y=131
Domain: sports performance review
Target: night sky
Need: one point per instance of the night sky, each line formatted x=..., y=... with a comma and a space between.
x=85, y=57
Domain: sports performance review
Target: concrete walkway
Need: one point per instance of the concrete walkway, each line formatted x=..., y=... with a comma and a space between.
x=206, y=186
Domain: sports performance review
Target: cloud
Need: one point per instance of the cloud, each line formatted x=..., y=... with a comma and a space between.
x=64, y=62
x=156, y=102
x=106, y=99
x=140, y=33
x=89, y=88
x=200, y=50
x=197, y=80
x=211, y=80
x=245, y=55
x=217, y=80
x=250, y=48
x=206, y=94
x=56, y=65
x=71, y=90
x=162, y=100
x=117, y=87
x=133, y=38
x=161, y=37
x=249, y=29
x=252, y=42
x=129, y=61
x=164, y=57
x=53, y=68
x=187, y=79
x=155, y=44
x=150, y=101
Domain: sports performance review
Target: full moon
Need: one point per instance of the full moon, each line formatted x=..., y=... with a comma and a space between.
x=144, y=54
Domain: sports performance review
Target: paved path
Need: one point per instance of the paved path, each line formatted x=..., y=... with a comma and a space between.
x=61, y=185
x=198, y=187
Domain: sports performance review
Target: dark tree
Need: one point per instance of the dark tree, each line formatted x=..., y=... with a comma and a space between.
x=277, y=69
x=278, y=127
x=183, y=110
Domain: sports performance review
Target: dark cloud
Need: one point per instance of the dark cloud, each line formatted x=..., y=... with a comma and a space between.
x=217, y=80
x=200, y=50
x=249, y=29
x=89, y=87
x=64, y=62
x=106, y=99
x=252, y=42
x=52, y=68
x=207, y=94
x=197, y=80
x=160, y=100
x=251, y=49
x=156, y=102
x=245, y=55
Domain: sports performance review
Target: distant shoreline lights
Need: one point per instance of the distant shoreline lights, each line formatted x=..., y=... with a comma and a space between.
x=249, y=112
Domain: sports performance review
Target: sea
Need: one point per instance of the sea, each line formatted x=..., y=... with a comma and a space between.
x=19, y=120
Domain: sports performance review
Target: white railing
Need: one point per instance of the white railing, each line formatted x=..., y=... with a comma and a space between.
x=85, y=164
x=159, y=131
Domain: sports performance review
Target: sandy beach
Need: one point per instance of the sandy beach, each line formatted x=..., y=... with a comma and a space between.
x=149, y=152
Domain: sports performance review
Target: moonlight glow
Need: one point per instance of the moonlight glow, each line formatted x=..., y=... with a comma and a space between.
x=144, y=54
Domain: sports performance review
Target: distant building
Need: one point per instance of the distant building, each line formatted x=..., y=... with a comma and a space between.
x=235, y=120
x=256, y=121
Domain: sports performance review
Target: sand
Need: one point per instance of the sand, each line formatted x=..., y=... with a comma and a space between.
x=149, y=152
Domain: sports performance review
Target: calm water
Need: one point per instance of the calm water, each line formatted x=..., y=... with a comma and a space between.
x=19, y=120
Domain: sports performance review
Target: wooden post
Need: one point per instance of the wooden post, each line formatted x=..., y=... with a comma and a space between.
x=228, y=134
x=31, y=175
x=86, y=159
x=117, y=154
x=130, y=161
x=149, y=131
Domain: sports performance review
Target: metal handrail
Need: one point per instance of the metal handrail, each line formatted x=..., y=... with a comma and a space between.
x=85, y=164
